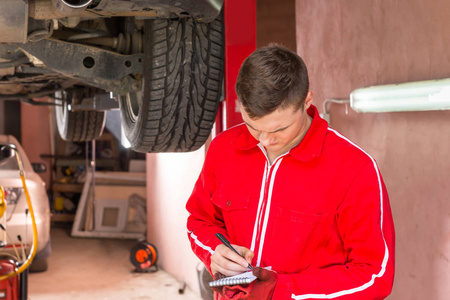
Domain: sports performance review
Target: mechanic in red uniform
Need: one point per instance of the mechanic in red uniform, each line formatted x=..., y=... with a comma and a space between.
x=291, y=193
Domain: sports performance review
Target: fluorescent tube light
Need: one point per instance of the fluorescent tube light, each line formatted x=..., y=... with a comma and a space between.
x=411, y=96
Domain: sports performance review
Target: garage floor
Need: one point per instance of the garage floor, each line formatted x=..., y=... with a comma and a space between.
x=98, y=269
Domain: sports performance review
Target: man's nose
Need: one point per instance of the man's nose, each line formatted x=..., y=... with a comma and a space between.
x=265, y=138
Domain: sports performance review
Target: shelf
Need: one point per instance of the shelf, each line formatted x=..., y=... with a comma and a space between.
x=62, y=217
x=65, y=184
x=75, y=161
x=67, y=187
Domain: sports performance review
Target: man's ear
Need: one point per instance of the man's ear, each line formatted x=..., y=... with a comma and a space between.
x=308, y=100
x=238, y=106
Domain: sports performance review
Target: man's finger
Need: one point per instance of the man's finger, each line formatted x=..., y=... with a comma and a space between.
x=227, y=264
x=231, y=255
x=226, y=267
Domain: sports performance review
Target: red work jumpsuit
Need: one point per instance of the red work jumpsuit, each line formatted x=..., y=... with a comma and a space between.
x=319, y=215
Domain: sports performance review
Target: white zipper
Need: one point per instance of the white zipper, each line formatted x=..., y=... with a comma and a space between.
x=260, y=227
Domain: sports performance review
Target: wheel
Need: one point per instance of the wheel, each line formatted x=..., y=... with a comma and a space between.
x=38, y=265
x=182, y=84
x=40, y=261
x=77, y=126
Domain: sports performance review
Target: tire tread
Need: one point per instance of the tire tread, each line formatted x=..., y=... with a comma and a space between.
x=183, y=86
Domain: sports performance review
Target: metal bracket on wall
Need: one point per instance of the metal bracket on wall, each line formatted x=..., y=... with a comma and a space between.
x=326, y=114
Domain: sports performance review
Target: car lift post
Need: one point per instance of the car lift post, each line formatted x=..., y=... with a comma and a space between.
x=240, y=42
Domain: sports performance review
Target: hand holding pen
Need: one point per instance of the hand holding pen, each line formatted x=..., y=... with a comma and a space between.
x=227, y=243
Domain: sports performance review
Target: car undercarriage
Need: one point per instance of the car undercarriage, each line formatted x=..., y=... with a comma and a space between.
x=160, y=62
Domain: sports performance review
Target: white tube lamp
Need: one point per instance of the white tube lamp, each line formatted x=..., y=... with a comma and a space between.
x=411, y=96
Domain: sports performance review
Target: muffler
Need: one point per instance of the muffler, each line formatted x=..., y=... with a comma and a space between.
x=71, y=7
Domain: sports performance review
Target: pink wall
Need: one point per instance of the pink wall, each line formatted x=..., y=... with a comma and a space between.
x=36, y=137
x=275, y=23
x=350, y=44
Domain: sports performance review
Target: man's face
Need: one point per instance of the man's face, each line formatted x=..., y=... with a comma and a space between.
x=281, y=130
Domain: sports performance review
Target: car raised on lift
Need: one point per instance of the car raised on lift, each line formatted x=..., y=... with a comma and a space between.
x=159, y=61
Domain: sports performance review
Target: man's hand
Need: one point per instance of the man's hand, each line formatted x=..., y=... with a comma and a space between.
x=228, y=263
x=260, y=289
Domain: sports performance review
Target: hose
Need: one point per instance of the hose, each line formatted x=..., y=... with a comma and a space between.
x=2, y=202
x=30, y=257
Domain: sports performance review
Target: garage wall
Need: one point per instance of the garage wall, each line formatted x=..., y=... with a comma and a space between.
x=170, y=180
x=36, y=137
x=11, y=118
x=2, y=119
x=350, y=44
x=275, y=23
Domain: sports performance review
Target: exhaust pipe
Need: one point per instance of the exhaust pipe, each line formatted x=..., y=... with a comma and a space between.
x=71, y=7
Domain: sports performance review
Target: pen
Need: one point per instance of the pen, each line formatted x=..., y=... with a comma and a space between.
x=227, y=243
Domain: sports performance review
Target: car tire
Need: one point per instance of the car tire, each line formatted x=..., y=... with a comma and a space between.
x=40, y=261
x=182, y=84
x=38, y=265
x=77, y=126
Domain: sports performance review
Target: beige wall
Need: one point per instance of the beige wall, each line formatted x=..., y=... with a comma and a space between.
x=170, y=180
x=350, y=44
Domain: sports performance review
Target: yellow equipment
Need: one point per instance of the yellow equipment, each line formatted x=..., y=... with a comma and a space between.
x=32, y=253
x=2, y=202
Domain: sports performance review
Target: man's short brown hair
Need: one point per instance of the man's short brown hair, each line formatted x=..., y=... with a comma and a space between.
x=272, y=77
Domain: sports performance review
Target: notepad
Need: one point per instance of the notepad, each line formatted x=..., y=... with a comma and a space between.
x=244, y=278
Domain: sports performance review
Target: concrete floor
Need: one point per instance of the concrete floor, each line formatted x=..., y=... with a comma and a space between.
x=99, y=269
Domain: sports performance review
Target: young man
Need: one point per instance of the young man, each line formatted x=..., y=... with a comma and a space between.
x=291, y=193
